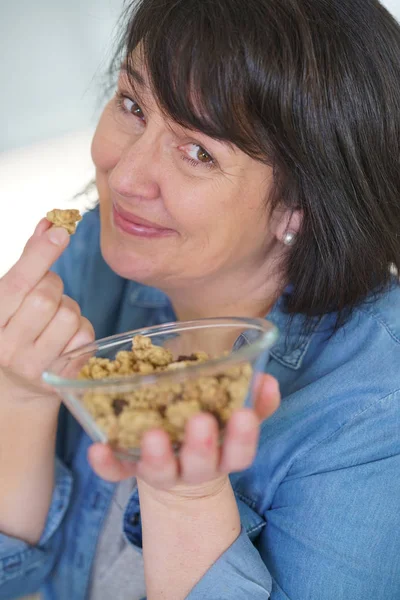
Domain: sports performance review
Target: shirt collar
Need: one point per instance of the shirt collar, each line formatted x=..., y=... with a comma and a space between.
x=147, y=297
x=294, y=338
x=295, y=335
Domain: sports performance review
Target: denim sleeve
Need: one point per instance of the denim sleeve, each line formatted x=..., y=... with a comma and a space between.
x=239, y=573
x=333, y=531
x=23, y=568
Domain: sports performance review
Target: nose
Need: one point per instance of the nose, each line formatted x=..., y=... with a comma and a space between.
x=135, y=174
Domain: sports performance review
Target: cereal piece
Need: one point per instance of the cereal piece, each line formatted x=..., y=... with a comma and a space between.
x=113, y=367
x=224, y=414
x=176, y=436
x=98, y=405
x=125, y=363
x=84, y=373
x=98, y=368
x=191, y=390
x=64, y=218
x=234, y=372
x=144, y=350
x=159, y=356
x=163, y=395
x=144, y=368
x=177, y=415
x=238, y=390
x=109, y=425
x=98, y=372
x=247, y=371
x=141, y=342
x=224, y=382
x=202, y=356
x=124, y=357
x=138, y=400
x=208, y=387
x=215, y=402
x=133, y=425
x=176, y=366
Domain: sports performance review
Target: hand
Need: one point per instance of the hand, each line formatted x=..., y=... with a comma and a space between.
x=203, y=466
x=37, y=322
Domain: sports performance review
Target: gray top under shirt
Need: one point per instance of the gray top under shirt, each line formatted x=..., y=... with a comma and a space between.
x=118, y=570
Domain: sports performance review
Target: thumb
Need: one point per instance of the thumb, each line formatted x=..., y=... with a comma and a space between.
x=267, y=396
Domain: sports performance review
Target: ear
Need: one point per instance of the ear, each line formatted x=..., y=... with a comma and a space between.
x=289, y=222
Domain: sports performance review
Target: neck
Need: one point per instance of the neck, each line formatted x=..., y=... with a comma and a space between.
x=229, y=296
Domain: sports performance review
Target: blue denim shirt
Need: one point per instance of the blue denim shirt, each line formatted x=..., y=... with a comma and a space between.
x=320, y=507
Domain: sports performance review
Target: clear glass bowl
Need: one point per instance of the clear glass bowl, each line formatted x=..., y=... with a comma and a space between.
x=118, y=409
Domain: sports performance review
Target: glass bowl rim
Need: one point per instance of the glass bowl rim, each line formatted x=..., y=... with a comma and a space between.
x=245, y=354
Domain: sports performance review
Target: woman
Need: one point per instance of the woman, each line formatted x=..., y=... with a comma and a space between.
x=248, y=165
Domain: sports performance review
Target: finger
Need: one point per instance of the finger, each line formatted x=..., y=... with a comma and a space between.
x=267, y=396
x=57, y=335
x=36, y=312
x=39, y=254
x=33, y=360
x=84, y=336
x=200, y=455
x=158, y=466
x=70, y=369
x=240, y=444
x=41, y=227
x=108, y=466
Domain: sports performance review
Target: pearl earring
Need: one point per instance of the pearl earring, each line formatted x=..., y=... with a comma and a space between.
x=289, y=238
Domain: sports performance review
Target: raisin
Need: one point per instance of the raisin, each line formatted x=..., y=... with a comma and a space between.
x=184, y=358
x=119, y=405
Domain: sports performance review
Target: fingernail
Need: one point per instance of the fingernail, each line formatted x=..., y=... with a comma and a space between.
x=246, y=427
x=57, y=236
x=154, y=447
x=201, y=429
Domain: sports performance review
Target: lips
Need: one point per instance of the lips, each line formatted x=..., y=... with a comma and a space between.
x=138, y=226
x=131, y=218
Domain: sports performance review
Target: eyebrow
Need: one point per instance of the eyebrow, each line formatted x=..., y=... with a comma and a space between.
x=133, y=73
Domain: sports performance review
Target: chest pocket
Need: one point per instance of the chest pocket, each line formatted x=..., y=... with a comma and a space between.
x=251, y=521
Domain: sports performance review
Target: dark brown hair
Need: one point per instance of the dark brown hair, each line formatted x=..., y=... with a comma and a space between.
x=311, y=87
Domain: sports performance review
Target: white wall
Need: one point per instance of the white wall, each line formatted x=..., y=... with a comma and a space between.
x=393, y=6
x=52, y=53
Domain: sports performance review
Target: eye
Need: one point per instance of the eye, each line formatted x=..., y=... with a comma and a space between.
x=127, y=105
x=197, y=155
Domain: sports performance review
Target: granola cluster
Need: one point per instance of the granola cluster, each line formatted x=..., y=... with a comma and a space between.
x=125, y=417
x=64, y=218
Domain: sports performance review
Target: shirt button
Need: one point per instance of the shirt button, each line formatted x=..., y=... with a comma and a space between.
x=135, y=519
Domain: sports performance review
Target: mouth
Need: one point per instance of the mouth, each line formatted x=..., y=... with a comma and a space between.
x=137, y=226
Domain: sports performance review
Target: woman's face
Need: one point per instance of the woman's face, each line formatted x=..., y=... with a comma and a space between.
x=177, y=208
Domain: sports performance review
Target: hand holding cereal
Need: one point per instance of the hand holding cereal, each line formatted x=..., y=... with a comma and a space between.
x=37, y=323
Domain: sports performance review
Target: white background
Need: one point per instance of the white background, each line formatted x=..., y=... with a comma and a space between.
x=53, y=54
x=393, y=6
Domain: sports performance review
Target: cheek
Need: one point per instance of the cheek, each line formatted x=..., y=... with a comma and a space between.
x=108, y=143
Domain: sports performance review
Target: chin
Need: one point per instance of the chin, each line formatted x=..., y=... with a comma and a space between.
x=129, y=265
